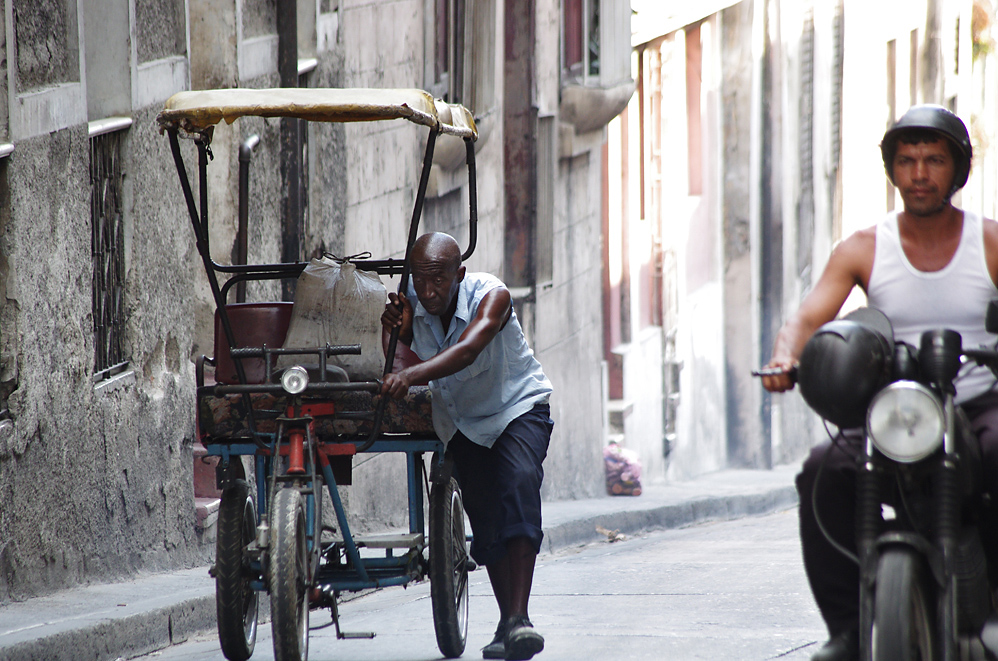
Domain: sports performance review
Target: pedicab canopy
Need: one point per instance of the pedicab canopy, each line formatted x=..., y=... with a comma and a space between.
x=196, y=111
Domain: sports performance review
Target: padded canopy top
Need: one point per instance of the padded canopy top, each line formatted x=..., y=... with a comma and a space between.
x=195, y=111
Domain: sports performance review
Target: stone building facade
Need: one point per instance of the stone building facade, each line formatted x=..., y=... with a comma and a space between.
x=103, y=304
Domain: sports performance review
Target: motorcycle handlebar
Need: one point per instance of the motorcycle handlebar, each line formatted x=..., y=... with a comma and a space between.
x=776, y=371
x=985, y=357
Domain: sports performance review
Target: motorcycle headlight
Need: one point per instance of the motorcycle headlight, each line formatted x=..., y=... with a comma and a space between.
x=906, y=421
x=294, y=379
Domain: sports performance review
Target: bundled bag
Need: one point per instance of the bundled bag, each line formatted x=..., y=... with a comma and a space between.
x=623, y=471
x=336, y=304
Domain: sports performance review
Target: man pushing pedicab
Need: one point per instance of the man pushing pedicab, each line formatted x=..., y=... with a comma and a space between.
x=490, y=405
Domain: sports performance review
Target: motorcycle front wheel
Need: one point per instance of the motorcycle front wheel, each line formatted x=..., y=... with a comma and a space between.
x=904, y=615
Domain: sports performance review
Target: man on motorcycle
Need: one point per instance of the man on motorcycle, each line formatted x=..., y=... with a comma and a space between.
x=927, y=266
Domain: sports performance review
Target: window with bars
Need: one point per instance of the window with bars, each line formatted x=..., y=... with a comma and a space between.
x=107, y=245
x=446, y=62
x=595, y=43
x=581, y=42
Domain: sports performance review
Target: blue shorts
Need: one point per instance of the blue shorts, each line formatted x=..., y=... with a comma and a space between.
x=501, y=485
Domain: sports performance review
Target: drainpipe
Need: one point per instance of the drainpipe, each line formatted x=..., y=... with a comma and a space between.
x=245, y=155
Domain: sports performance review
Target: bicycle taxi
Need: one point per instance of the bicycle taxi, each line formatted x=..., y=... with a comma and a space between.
x=301, y=420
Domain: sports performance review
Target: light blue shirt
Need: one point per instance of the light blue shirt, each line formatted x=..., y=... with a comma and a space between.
x=503, y=383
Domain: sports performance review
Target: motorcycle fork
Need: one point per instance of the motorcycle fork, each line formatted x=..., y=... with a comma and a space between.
x=947, y=517
x=869, y=522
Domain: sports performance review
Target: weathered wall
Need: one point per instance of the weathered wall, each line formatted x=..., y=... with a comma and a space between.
x=701, y=444
x=96, y=481
x=259, y=18
x=4, y=124
x=371, y=203
x=95, y=478
x=746, y=444
x=643, y=428
x=568, y=335
x=45, y=31
x=161, y=27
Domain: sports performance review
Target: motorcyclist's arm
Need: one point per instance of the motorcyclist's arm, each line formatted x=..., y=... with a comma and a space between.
x=991, y=248
x=848, y=266
x=493, y=313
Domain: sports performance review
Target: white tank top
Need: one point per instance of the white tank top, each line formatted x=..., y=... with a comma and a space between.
x=955, y=297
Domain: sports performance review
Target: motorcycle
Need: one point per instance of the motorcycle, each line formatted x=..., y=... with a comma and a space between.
x=924, y=590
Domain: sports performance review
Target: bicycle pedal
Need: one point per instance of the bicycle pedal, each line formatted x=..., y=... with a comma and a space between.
x=347, y=635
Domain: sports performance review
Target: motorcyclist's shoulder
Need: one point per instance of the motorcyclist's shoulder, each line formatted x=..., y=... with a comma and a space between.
x=864, y=240
x=990, y=233
x=855, y=253
x=991, y=247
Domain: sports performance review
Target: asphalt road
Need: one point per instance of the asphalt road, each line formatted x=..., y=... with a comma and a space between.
x=722, y=591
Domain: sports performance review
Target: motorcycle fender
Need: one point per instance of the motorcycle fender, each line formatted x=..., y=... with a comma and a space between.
x=919, y=544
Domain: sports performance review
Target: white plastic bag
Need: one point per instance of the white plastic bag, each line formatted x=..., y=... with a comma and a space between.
x=338, y=304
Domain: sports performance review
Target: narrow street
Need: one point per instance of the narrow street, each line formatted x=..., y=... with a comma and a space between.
x=734, y=590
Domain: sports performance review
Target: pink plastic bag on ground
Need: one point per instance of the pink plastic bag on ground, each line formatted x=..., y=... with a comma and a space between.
x=623, y=471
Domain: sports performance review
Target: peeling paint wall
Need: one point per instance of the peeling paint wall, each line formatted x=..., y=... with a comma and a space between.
x=162, y=28
x=45, y=33
x=95, y=480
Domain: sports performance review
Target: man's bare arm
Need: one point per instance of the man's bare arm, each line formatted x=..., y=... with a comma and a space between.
x=848, y=266
x=493, y=312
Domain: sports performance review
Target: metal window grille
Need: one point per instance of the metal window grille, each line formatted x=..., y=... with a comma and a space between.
x=107, y=245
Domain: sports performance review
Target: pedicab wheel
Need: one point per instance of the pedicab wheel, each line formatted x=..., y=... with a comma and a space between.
x=448, y=568
x=289, y=576
x=236, y=602
x=903, y=618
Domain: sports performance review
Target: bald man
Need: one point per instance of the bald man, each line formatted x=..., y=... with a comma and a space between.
x=490, y=405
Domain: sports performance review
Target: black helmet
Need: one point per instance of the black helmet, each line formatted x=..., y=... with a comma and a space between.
x=844, y=364
x=937, y=119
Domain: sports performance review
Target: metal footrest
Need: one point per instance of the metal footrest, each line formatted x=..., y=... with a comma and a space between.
x=407, y=540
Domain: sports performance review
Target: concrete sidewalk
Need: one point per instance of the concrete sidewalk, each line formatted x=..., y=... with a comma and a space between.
x=126, y=619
